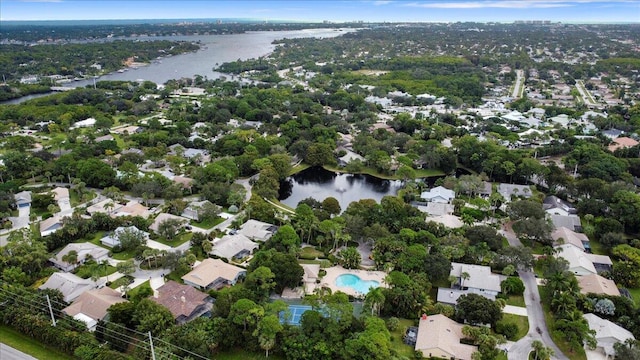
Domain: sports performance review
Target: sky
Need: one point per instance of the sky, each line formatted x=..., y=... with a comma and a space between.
x=582, y=11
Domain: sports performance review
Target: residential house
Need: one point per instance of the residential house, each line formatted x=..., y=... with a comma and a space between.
x=213, y=274
x=581, y=263
x=194, y=210
x=472, y=279
x=113, y=239
x=107, y=137
x=50, y=225
x=23, y=199
x=164, y=216
x=128, y=130
x=596, y=284
x=607, y=335
x=436, y=209
x=508, y=191
x=257, y=230
x=61, y=194
x=554, y=205
x=349, y=157
x=438, y=194
x=571, y=222
x=106, y=206
x=184, y=181
x=439, y=337
x=486, y=189
x=92, y=305
x=184, y=302
x=132, y=208
x=622, y=143
x=612, y=133
x=562, y=235
x=70, y=285
x=310, y=277
x=233, y=247
x=89, y=122
x=85, y=251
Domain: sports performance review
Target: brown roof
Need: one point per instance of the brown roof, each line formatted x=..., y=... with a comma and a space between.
x=441, y=333
x=133, y=208
x=181, y=300
x=597, y=284
x=622, y=142
x=94, y=303
x=209, y=270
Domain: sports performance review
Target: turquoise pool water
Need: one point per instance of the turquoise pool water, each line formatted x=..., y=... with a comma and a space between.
x=354, y=282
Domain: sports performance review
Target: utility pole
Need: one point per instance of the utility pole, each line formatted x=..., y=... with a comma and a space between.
x=53, y=319
x=153, y=353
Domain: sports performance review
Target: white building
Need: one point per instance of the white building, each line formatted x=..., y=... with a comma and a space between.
x=438, y=194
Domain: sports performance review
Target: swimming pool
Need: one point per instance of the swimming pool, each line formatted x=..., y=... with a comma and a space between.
x=354, y=282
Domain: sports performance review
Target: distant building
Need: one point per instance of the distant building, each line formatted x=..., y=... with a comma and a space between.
x=92, y=305
x=481, y=281
x=510, y=190
x=71, y=286
x=257, y=230
x=622, y=143
x=554, y=205
x=562, y=235
x=50, y=225
x=113, y=239
x=163, y=217
x=581, y=263
x=85, y=251
x=233, y=247
x=23, y=199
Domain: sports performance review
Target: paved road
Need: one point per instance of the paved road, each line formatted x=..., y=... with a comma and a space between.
x=9, y=353
x=519, y=80
x=588, y=100
x=520, y=349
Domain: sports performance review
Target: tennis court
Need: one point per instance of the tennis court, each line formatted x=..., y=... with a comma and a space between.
x=293, y=315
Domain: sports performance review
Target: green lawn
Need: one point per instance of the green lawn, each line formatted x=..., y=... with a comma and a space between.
x=298, y=168
x=175, y=277
x=396, y=339
x=516, y=300
x=30, y=346
x=120, y=282
x=239, y=354
x=133, y=292
x=597, y=247
x=180, y=239
x=556, y=337
x=208, y=223
x=124, y=255
x=521, y=321
x=310, y=253
x=635, y=294
x=87, y=270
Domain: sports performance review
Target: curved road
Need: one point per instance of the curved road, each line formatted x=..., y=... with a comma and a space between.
x=520, y=350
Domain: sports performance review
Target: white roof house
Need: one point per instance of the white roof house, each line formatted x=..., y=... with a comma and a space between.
x=106, y=206
x=607, y=334
x=438, y=194
x=50, y=225
x=84, y=123
x=164, y=216
x=257, y=230
x=113, y=239
x=70, y=285
x=509, y=190
x=84, y=251
x=235, y=246
x=581, y=263
x=481, y=281
x=23, y=198
x=439, y=337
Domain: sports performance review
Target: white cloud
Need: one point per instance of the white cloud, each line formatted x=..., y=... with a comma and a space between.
x=42, y=1
x=382, y=2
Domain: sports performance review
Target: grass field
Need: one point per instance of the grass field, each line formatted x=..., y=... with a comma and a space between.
x=310, y=253
x=207, y=223
x=635, y=294
x=180, y=239
x=516, y=300
x=29, y=346
x=87, y=270
x=134, y=292
x=521, y=321
x=396, y=339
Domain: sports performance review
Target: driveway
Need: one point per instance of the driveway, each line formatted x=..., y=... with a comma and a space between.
x=520, y=349
x=515, y=310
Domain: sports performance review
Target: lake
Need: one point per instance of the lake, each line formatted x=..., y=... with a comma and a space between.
x=320, y=184
x=214, y=51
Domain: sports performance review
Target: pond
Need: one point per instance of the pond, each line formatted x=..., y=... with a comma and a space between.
x=320, y=184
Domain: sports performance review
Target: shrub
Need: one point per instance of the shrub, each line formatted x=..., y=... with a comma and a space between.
x=392, y=323
x=508, y=329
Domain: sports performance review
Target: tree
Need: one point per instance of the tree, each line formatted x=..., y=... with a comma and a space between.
x=331, y=206
x=260, y=282
x=350, y=258
x=374, y=300
x=319, y=154
x=629, y=350
x=477, y=310
x=486, y=234
x=96, y=173
x=266, y=332
x=512, y=286
x=246, y=313
x=168, y=228
x=541, y=352
x=575, y=329
x=284, y=240
x=131, y=238
x=285, y=267
x=463, y=277
x=487, y=343
x=151, y=316
x=126, y=267
x=71, y=257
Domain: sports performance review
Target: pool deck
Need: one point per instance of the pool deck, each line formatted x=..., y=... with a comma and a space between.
x=329, y=280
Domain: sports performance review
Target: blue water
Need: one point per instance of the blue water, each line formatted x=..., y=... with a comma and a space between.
x=354, y=282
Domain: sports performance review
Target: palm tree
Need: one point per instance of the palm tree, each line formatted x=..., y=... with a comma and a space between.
x=452, y=280
x=71, y=257
x=541, y=352
x=464, y=276
x=374, y=300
